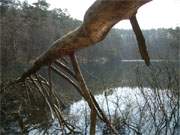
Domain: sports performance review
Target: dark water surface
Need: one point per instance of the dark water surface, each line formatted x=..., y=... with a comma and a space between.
x=131, y=74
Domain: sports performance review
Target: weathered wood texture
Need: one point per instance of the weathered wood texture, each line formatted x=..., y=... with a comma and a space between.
x=98, y=21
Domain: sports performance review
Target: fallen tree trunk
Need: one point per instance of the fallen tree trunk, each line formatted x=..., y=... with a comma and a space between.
x=98, y=21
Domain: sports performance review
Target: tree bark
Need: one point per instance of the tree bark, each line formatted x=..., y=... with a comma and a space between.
x=98, y=21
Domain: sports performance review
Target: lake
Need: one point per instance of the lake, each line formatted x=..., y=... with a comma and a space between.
x=141, y=110
x=136, y=98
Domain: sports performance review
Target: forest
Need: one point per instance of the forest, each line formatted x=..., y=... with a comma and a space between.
x=27, y=30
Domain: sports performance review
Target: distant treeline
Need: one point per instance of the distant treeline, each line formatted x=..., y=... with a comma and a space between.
x=27, y=30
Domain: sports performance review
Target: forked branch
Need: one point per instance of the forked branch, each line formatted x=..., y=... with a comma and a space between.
x=98, y=21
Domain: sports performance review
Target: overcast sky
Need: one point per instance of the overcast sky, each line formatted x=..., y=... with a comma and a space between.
x=156, y=14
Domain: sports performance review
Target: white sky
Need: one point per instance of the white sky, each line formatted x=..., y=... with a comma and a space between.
x=156, y=14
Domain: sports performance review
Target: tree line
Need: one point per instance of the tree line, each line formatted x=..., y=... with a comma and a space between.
x=29, y=29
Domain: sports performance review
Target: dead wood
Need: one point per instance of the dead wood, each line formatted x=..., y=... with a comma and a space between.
x=98, y=21
x=140, y=39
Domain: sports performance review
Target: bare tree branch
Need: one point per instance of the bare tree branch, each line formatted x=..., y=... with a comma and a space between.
x=98, y=21
x=140, y=40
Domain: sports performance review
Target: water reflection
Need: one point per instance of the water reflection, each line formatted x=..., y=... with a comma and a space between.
x=134, y=111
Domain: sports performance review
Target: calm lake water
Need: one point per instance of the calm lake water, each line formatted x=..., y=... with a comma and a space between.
x=153, y=109
x=139, y=106
x=126, y=102
x=145, y=99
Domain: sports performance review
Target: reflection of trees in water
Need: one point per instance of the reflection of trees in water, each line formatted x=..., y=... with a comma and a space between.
x=112, y=75
x=141, y=111
x=24, y=109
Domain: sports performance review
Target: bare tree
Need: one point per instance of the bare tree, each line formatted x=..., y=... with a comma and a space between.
x=98, y=21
